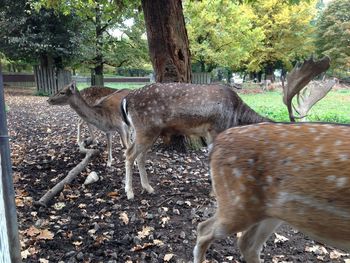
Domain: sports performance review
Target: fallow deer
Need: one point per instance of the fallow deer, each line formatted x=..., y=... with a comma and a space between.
x=270, y=173
x=105, y=114
x=178, y=108
x=298, y=79
x=92, y=95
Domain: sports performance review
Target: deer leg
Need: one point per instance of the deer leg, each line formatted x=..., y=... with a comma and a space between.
x=141, y=162
x=109, y=149
x=124, y=136
x=253, y=239
x=92, y=135
x=80, y=125
x=207, y=232
x=140, y=146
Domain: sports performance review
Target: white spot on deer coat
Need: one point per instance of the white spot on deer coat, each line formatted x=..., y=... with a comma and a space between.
x=343, y=157
x=338, y=143
x=237, y=172
x=341, y=182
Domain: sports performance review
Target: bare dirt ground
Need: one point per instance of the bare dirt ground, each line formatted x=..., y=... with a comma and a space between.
x=97, y=223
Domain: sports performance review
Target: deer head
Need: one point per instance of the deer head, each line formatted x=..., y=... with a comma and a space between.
x=269, y=173
x=62, y=97
x=299, y=77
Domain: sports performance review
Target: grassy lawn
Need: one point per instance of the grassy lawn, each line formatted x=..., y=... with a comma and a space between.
x=116, y=85
x=335, y=107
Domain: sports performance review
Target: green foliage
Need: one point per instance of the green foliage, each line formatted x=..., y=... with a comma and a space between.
x=333, y=33
x=27, y=34
x=251, y=35
x=333, y=108
x=108, y=38
x=221, y=32
x=288, y=33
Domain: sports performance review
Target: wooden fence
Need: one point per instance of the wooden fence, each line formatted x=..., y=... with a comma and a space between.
x=201, y=78
x=49, y=80
x=19, y=79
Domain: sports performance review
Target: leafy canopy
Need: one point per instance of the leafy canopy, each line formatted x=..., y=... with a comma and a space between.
x=333, y=33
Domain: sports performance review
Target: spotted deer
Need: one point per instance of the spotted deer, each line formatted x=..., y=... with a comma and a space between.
x=105, y=114
x=160, y=109
x=91, y=95
x=270, y=173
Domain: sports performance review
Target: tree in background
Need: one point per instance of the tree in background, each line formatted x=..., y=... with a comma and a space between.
x=333, y=34
x=28, y=34
x=167, y=40
x=255, y=36
x=101, y=17
x=288, y=34
x=221, y=33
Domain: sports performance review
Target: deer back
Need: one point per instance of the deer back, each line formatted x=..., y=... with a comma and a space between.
x=186, y=108
x=298, y=173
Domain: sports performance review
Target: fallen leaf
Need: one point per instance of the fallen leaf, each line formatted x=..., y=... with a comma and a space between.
x=59, y=205
x=45, y=234
x=77, y=243
x=146, y=231
x=25, y=254
x=32, y=231
x=164, y=220
x=168, y=257
x=280, y=239
x=316, y=249
x=124, y=217
x=335, y=254
x=112, y=194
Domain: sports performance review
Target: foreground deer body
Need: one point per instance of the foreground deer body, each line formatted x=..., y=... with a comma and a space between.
x=105, y=114
x=270, y=173
x=178, y=108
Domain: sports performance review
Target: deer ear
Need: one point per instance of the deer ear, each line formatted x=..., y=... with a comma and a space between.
x=73, y=87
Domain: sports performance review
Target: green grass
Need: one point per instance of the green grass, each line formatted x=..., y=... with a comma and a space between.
x=116, y=85
x=335, y=107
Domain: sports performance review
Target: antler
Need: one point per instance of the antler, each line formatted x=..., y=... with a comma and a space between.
x=312, y=93
x=299, y=77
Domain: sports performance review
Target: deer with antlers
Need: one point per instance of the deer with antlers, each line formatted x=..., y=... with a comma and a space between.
x=270, y=173
x=306, y=95
x=105, y=114
x=160, y=109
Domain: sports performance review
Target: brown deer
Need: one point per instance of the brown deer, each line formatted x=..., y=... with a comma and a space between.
x=298, y=79
x=160, y=109
x=270, y=173
x=92, y=95
x=105, y=114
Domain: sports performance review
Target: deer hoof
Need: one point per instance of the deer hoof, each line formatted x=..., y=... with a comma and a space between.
x=130, y=195
x=149, y=189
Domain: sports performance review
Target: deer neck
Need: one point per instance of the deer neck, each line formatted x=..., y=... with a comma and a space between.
x=249, y=116
x=85, y=111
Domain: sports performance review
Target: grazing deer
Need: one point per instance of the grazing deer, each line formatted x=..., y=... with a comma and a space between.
x=270, y=173
x=298, y=79
x=105, y=114
x=160, y=109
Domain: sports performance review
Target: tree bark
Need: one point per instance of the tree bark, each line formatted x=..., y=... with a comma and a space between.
x=97, y=76
x=167, y=40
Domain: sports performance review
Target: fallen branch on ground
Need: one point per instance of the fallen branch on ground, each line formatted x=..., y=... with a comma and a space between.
x=90, y=153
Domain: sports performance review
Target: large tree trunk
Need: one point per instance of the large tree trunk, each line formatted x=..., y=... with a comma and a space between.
x=97, y=74
x=168, y=47
x=167, y=40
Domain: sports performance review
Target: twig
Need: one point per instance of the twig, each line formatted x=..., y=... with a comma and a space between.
x=69, y=178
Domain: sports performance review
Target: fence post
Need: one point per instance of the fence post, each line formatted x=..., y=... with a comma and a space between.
x=9, y=241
